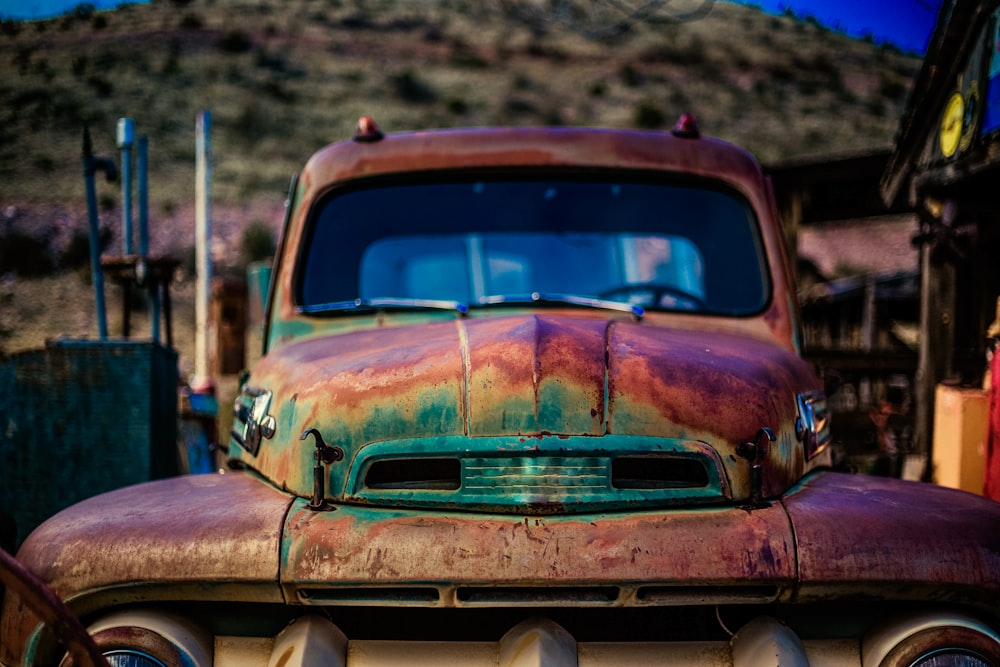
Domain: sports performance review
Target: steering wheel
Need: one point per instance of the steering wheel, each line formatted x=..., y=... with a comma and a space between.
x=651, y=295
x=51, y=610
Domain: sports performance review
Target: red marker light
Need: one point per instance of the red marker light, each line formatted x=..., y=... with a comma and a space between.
x=367, y=130
x=686, y=127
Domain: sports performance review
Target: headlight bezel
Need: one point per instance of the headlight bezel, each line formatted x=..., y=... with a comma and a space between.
x=165, y=638
x=908, y=640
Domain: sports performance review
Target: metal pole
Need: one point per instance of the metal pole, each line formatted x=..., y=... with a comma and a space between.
x=142, y=178
x=126, y=134
x=97, y=275
x=203, y=239
x=868, y=323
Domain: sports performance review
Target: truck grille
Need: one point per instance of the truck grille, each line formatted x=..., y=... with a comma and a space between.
x=643, y=473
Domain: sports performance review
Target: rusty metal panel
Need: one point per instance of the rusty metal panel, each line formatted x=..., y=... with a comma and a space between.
x=371, y=548
x=220, y=528
x=537, y=374
x=82, y=417
x=885, y=538
x=359, y=388
x=714, y=387
x=195, y=537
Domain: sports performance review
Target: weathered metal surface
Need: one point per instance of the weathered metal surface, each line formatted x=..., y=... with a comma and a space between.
x=873, y=537
x=369, y=547
x=185, y=538
x=535, y=375
x=530, y=376
x=717, y=388
x=540, y=474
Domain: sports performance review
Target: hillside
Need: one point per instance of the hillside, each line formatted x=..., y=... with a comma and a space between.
x=283, y=78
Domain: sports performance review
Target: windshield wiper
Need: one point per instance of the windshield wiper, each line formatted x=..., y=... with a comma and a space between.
x=400, y=303
x=386, y=302
x=572, y=299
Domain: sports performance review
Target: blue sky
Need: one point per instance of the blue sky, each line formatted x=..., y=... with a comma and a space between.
x=906, y=23
x=39, y=9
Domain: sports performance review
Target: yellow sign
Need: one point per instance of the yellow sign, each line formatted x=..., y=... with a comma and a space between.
x=951, y=125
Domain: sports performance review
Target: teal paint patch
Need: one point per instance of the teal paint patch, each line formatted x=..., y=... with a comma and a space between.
x=435, y=413
x=555, y=408
x=512, y=474
x=284, y=331
x=287, y=415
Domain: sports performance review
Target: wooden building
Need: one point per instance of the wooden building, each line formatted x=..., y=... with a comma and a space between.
x=858, y=317
x=946, y=165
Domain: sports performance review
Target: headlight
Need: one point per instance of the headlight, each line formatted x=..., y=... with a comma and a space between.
x=949, y=658
x=143, y=638
x=124, y=658
x=932, y=640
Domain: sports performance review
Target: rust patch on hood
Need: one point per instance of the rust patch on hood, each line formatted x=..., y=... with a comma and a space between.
x=701, y=382
x=369, y=547
x=537, y=374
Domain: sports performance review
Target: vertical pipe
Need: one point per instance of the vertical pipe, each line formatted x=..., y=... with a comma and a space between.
x=937, y=336
x=203, y=239
x=142, y=183
x=868, y=323
x=926, y=370
x=97, y=274
x=142, y=176
x=126, y=134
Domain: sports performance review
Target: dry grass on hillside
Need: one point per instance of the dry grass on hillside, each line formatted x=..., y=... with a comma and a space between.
x=284, y=78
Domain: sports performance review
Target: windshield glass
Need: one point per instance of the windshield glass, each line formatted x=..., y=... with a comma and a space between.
x=486, y=241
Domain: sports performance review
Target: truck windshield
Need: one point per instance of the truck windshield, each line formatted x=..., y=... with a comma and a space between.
x=483, y=242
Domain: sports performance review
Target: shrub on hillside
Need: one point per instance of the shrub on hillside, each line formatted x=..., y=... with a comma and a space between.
x=10, y=27
x=648, y=116
x=630, y=76
x=411, y=88
x=24, y=255
x=191, y=21
x=235, y=41
x=457, y=106
x=893, y=90
x=257, y=243
x=101, y=86
x=79, y=66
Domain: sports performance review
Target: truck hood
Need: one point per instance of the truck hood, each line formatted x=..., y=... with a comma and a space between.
x=527, y=412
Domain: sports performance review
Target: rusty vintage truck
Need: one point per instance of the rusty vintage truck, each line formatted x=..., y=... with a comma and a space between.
x=528, y=397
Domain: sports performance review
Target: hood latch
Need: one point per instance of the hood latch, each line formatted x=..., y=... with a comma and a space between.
x=324, y=454
x=754, y=452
